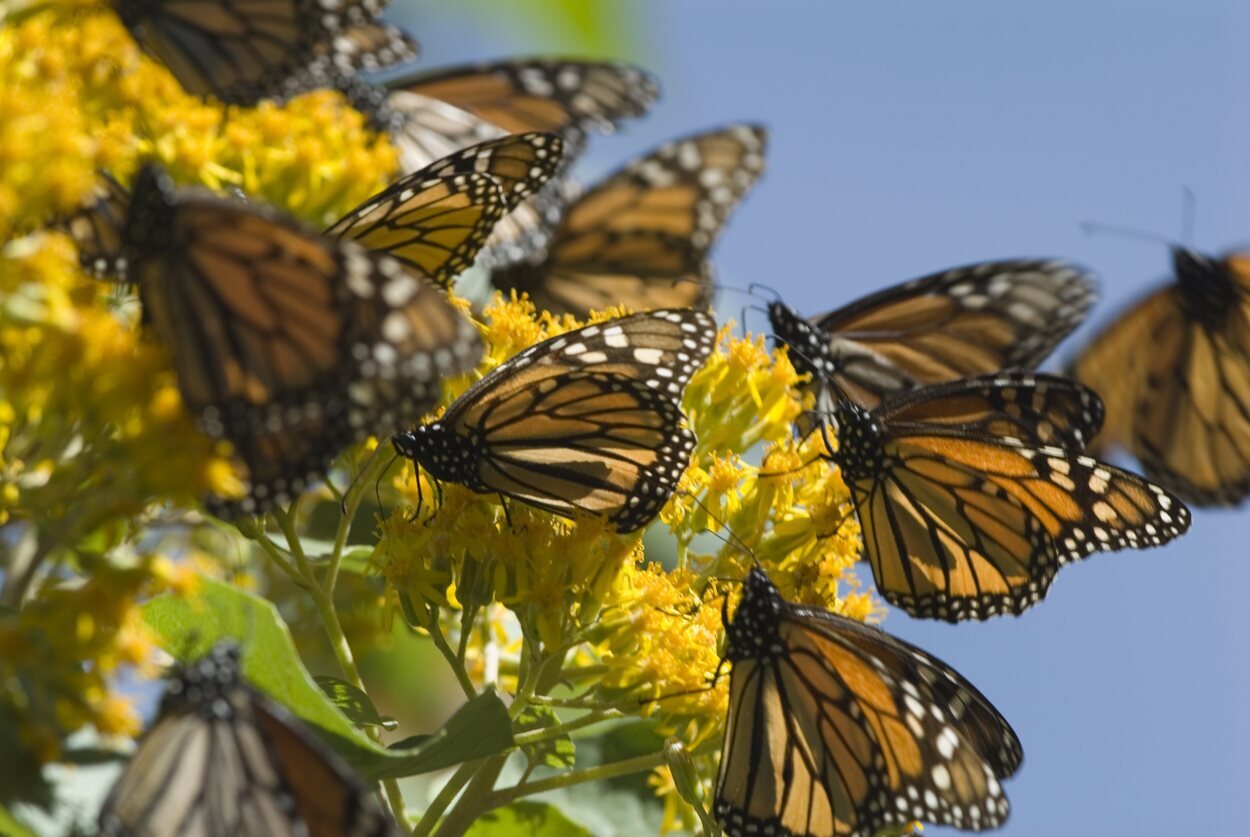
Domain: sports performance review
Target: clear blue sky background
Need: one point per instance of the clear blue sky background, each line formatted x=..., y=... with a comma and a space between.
x=913, y=136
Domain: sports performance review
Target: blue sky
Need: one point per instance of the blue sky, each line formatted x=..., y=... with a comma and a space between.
x=909, y=137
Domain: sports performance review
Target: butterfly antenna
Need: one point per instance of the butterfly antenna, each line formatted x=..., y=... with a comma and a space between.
x=1189, y=212
x=733, y=540
x=752, y=290
x=1099, y=228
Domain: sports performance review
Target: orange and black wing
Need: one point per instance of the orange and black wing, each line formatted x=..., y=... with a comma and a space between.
x=434, y=224
x=836, y=729
x=968, y=526
x=1174, y=371
x=223, y=759
x=242, y=51
x=970, y=320
x=565, y=96
x=641, y=237
x=274, y=329
x=586, y=422
x=1030, y=407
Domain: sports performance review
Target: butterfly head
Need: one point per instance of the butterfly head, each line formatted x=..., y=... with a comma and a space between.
x=1206, y=285
x=752, y=633
x=809, y=348
x=206, y=683
x=438, y=450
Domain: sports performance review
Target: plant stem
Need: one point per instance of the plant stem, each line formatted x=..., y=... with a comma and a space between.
x=323, y=601
x=462, y=817
x=440, y=642
x=589, y=719
x=439, y=804
x=470, y=806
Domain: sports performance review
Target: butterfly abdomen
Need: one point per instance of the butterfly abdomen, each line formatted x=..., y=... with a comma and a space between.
x=860, y=452
x=754, y=632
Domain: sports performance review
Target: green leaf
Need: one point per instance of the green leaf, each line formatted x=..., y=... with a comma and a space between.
x=555, y=752
x=188, y=627
x=526, y=819
x=353, y=703
x=479, y=729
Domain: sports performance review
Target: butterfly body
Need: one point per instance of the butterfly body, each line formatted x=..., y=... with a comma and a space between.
x=837, y=729
x=587, y=422
x=972, y=494
x=223, y=760
x=1209, y=291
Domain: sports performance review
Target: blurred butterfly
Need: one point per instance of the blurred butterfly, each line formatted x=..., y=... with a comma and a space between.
x=838, y=728
x=589, y=421
x=287, y=343
x=1174, y=371
x=970, y=320
x=432, y=115
x=265, y=49
x=223, y=760
x=642, y=235
x=971, y=494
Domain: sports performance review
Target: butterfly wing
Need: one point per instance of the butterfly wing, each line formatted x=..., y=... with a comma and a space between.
x=567, y=97
x=96, y=229
x=273, y=330
x=434, y=224
x=589, y=421
x=967, y=321
x=224, y=761
x=643, y=234
x=440, y=139
x=1032, y=407
x=1183, y=407
x=244, y=52
x=963, y=526
x=841, y=729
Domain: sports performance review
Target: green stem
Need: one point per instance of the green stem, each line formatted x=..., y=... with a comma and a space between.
x=439, y=804
x=323, y=601
x=351, y=501
x=462, y=817
x=470, y=807
x=589, y=719
x=275, y=555
x=440, y=642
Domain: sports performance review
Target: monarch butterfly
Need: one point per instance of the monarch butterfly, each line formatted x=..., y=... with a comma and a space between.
x=972, y=494
x=244, y=52
x=837, y=729
x=1182, y=405
x=432, y=115
x=223, y=760
x=969, y=320
x=643, y=234
x=587, y=421
x=287, y=343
